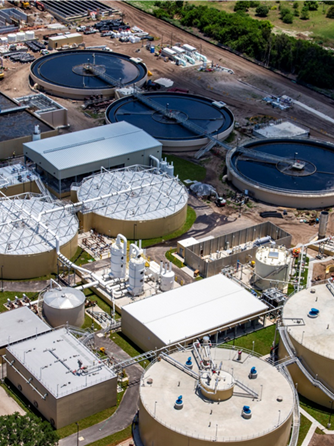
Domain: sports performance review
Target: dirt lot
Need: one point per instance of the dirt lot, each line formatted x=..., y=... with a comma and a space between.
x=322, y=440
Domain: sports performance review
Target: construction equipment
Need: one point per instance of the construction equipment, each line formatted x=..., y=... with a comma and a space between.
x=2, y=73
x=24, y=4
x=39, y=5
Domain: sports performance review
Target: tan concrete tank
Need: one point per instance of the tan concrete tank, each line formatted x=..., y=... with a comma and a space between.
x=27, y=244
x=308, y=319
x=226, y=399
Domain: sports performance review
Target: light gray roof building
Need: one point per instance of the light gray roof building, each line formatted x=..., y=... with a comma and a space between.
x=60, y=362
x=86, y=151
x=19, y=324
x=189, y=311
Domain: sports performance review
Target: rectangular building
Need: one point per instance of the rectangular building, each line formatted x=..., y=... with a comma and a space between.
x=209, y=257
x=67, y=39
x=69, y=158
x=61, y=377
x=19, y=324
x=210, y=305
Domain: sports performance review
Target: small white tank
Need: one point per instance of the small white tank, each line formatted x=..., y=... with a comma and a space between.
x=136, y=271
x=163, y=165
x=62, y=305
x=170, y=170
x=272, y=264
x=12, y=38
x=118, y=257
x=3, y=40
x=167, y=278
x=30, y=35
x=20, y=37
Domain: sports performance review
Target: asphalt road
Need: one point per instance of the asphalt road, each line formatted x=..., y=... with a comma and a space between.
x=125, y=413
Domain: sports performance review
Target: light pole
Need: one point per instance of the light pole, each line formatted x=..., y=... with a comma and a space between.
x=330, y=415
x=2, y=278
x=77, y=433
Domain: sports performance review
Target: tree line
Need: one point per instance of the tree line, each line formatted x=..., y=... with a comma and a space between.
x=254, y=38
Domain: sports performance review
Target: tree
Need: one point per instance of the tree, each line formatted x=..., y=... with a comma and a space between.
x=26, y=430
x=311, y=5
x=330, y=13
x=295, y=5
x=286, y=14
x=304, y=15
x=288, y=18
x=254, y=4
x=262, y=11
x=242, y=6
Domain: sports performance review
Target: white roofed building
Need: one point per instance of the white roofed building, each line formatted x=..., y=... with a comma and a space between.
x=69, y=158
x=207, y=306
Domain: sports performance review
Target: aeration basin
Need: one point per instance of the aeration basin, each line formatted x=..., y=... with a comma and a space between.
x=289, y=172
x=80, y=73
x=206, y=116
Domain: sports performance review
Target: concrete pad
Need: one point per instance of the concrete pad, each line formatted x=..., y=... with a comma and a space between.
x=8, y=405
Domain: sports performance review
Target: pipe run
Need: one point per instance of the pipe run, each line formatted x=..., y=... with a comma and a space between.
x=153, y=158
x=28, y=381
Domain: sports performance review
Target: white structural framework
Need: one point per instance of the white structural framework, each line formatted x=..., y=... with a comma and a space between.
x=22, y=231
x=132, y=193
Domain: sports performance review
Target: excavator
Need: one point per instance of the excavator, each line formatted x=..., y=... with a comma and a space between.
x=27, y=4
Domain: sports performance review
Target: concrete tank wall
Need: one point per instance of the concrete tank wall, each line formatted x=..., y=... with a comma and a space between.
x=275, y=197
x=35, y=265
x=153, y=432
x=140, y=229
x=316, y=364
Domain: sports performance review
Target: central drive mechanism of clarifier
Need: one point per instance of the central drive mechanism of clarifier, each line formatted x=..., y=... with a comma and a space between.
x=217, y=385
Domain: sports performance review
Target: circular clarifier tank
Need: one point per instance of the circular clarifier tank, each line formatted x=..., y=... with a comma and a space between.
x=80, y=73
x=179, y=121
x=288, y=172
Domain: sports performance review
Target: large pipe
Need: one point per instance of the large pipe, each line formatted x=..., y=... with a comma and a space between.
x=120, y=238
x=135, y=250
x=323, y=224
x=153, y=158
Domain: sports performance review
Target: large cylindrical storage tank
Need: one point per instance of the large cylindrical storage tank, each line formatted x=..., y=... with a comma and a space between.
x=28, y=244
x=272, y=267
x=158, y=208
x=86, y=72
x=288, y=172
x=307, y=320
x=30, y=35
x=179, y=121
x=64, y=305
x=177, y=409
x=20, y=37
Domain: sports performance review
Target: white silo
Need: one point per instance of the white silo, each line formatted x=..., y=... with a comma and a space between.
x=272, y=265
x=30, y=35
x=167, y=277
x=136, y=270
x=12, y=38
x=20, y=36
x=64, y=305
x=118, y=257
